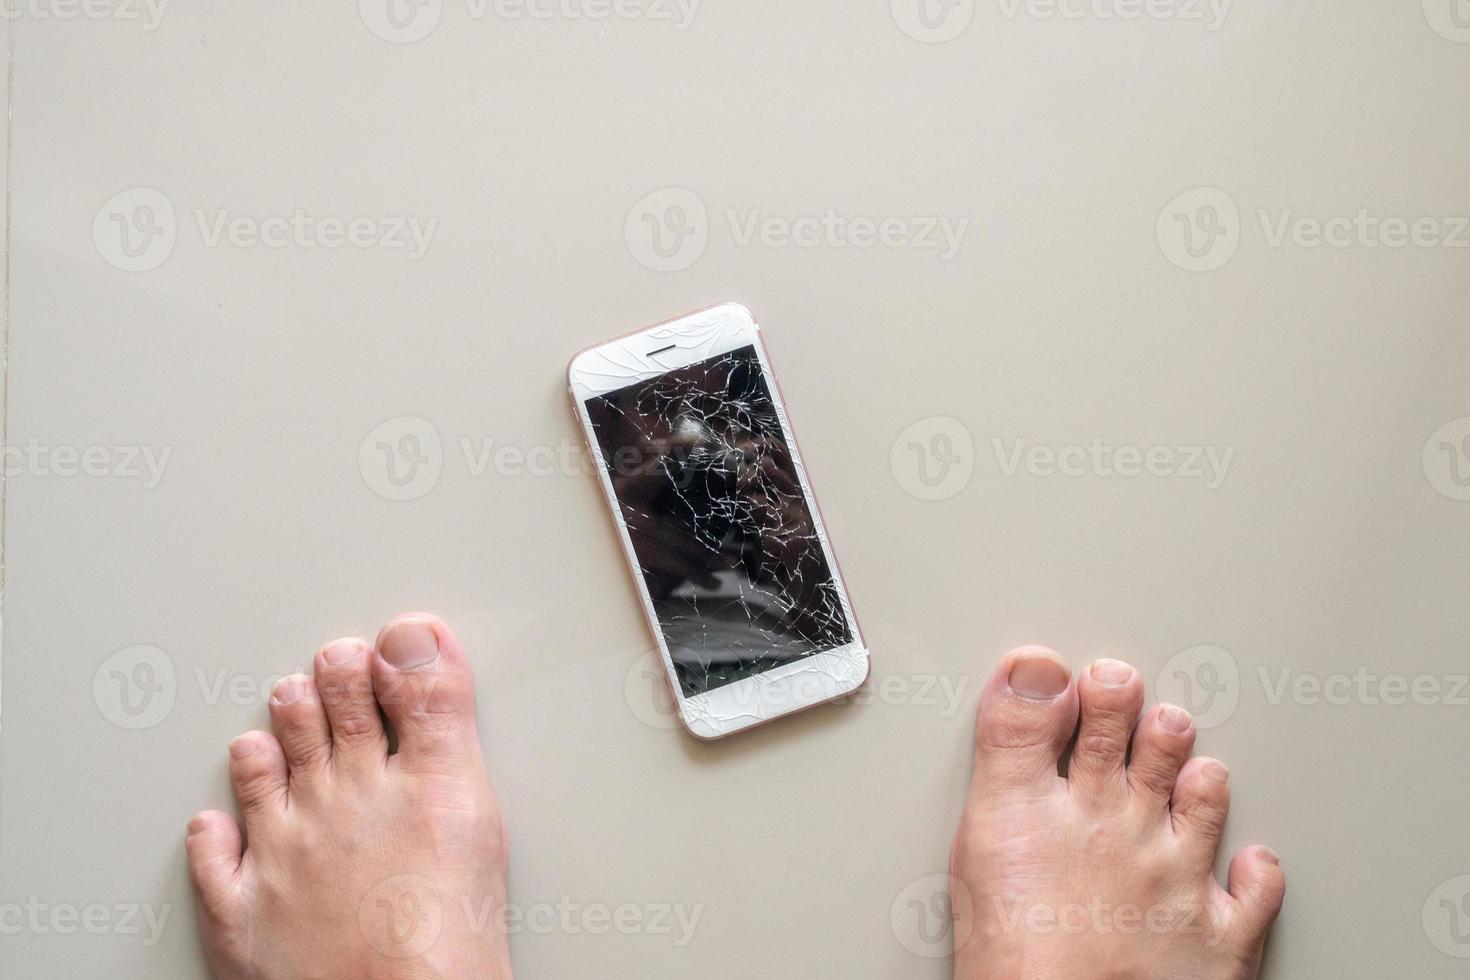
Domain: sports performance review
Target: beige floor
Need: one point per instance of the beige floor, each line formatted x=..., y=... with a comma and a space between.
x=1302, y=520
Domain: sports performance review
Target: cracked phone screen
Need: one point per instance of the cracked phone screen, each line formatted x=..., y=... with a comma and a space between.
x=722, y=530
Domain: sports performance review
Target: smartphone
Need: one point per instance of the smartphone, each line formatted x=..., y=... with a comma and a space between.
x=735, y=571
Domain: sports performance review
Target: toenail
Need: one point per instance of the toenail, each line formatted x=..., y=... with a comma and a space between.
x=1038, y=677
x=1111, y=672
x=196, y=825
x=340, y=653
x=1217, y=772
x=1173, y=719
x=243, y=747
x=1268, y=855
x=289, y=690
x=409, y=644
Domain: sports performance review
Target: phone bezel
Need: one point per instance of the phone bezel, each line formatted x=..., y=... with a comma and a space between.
x=792, y=687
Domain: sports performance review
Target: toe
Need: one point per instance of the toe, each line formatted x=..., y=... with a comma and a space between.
x=301, y=726
x=1200, y=804
x=1111, y=696
x=213, y=845
x=423, y=681
x=1258, y=886
x=344, y=679
x=258, y=775
x=1027, y=716
x=1161, y=747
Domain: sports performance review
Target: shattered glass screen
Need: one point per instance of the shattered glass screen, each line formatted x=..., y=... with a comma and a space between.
x=724, y=537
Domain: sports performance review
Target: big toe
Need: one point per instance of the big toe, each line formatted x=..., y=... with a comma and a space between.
x=423, y=681
x=1027, y=716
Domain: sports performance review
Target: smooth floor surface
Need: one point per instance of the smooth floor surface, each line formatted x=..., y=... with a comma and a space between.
x=1140, y=336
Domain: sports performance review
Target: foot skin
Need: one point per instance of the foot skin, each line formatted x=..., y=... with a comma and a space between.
x=1106, y=873
x=354, y=862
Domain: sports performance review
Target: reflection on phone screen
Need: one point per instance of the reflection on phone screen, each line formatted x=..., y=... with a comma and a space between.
x=723, y=534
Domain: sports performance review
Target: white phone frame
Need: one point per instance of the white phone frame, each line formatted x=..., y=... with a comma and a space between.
x=803, y=683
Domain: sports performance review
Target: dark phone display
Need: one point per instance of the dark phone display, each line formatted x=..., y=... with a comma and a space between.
x=724, y=538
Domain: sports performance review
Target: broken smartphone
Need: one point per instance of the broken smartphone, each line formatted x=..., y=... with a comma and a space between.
x=733, y=567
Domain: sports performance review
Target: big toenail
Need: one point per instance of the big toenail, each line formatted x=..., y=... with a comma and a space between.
x=289, y=690
x=1111, y=672
x=1173, y=719
x=1217, y=772
x=410, y=644
x=340, y=653
x=1268, y=855
x=240, y=748
x=195, y=826
x=1038, y=677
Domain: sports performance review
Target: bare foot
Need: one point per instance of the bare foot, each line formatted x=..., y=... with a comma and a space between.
x=359, y=863
x=1106, y=873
